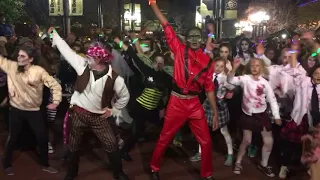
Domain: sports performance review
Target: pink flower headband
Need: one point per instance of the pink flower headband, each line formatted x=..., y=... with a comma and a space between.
x=99, y=52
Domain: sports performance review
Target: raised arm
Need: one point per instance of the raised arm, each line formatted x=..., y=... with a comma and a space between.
x=172, y=39
x=7, y=66
x=131, y=53
x=260, y=54
x=235, y=80
x=76, y=61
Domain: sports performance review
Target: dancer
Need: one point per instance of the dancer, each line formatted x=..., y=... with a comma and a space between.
x=95, y=89
x=149, y=105
x=192, y=71
x=220, y=82
x=256, y=92
x=25, y=84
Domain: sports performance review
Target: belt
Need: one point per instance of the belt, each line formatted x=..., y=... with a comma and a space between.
x=78, y=109
x=182, y=96
x=181, y=91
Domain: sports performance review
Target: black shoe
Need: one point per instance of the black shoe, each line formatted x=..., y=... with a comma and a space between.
x=155, y=176
x=126, y=157
x=121, y=176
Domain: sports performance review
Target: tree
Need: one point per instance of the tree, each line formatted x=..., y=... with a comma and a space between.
x=283, y=13
x=13, y=10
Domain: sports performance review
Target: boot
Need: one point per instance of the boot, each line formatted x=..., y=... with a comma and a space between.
x=155, y=176
x=73, y=165
x=116, y=163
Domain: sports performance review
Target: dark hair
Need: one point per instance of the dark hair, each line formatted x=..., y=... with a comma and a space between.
x=250, y=52
x=313, y=69
x=31, y=52
x=227, y=45
x=194, y=28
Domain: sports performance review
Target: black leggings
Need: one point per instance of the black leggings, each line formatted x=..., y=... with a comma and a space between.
x=140, y=115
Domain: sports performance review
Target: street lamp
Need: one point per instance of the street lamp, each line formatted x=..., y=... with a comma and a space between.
x=259, y=20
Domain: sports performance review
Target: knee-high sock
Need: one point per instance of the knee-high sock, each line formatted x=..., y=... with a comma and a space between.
x=246, y=141
x=225, y=132
x=267, y=147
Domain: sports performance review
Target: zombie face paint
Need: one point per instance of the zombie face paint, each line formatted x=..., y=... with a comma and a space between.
x=244, y=46
x=224, y=52
x=194, y=39
x=23, y=60
x=159, y=63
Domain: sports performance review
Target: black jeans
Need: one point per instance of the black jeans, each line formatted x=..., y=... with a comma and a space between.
x=17, y=118
x=140, y=115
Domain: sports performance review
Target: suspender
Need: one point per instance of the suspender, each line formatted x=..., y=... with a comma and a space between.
x=195, y=79
x=186, y=59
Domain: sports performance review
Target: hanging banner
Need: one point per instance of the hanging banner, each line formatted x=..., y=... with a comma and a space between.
x=75, y=7
x=56, y=7
x=230, y=10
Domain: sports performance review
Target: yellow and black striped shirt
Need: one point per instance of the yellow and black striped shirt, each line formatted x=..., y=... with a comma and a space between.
x=150, y=98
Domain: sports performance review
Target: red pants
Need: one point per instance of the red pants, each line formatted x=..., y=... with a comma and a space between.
x=178, y=112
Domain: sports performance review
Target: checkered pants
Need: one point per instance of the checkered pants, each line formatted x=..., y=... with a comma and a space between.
x=101, y=127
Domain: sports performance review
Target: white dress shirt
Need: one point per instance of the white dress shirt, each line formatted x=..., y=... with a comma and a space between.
x=256, y=94
x=90, y=98
x=223, y=85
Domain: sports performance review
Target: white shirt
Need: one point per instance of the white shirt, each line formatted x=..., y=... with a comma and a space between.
x=90, y=98
x=223, y=85
x=256, y=93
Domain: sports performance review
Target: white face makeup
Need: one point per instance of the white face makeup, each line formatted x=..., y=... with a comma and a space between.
x=23, y=58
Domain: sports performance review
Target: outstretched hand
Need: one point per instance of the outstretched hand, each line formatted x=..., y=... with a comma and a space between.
x=50, y=30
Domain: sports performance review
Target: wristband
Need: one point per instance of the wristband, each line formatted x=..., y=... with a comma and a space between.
x=211, y=35
x=135, y=40
x=152, y=2
x=54, y=31
x=120, y=44
x=316, y=53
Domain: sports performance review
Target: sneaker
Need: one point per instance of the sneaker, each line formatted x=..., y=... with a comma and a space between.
x=196, y=158
x=283, y=172
x=50, y=170
x=9, y=171
x=266, y=170
x=252, y=151
x=155, y=176
x=237, y=168
x=50, y=148
x=229, y=160
x=177, y=143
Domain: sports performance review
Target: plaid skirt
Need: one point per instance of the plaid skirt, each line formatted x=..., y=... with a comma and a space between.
x=256, y=122
x=292, y=132
x=223, y=112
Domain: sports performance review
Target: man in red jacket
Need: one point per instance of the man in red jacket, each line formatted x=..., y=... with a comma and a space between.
x=192, y=72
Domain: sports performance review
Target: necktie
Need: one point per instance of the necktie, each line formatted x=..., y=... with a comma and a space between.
x=216, y=84
x=315, y=106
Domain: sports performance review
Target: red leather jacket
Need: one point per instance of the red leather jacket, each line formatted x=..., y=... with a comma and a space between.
x=197, y=61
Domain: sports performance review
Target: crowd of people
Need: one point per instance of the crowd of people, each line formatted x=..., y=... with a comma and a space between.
x=127, y=78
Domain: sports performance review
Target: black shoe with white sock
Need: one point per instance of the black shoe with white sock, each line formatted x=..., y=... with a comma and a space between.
x=267, y=170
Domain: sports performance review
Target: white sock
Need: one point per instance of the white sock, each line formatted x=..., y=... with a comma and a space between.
x=265, y=158
x=225, y=132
